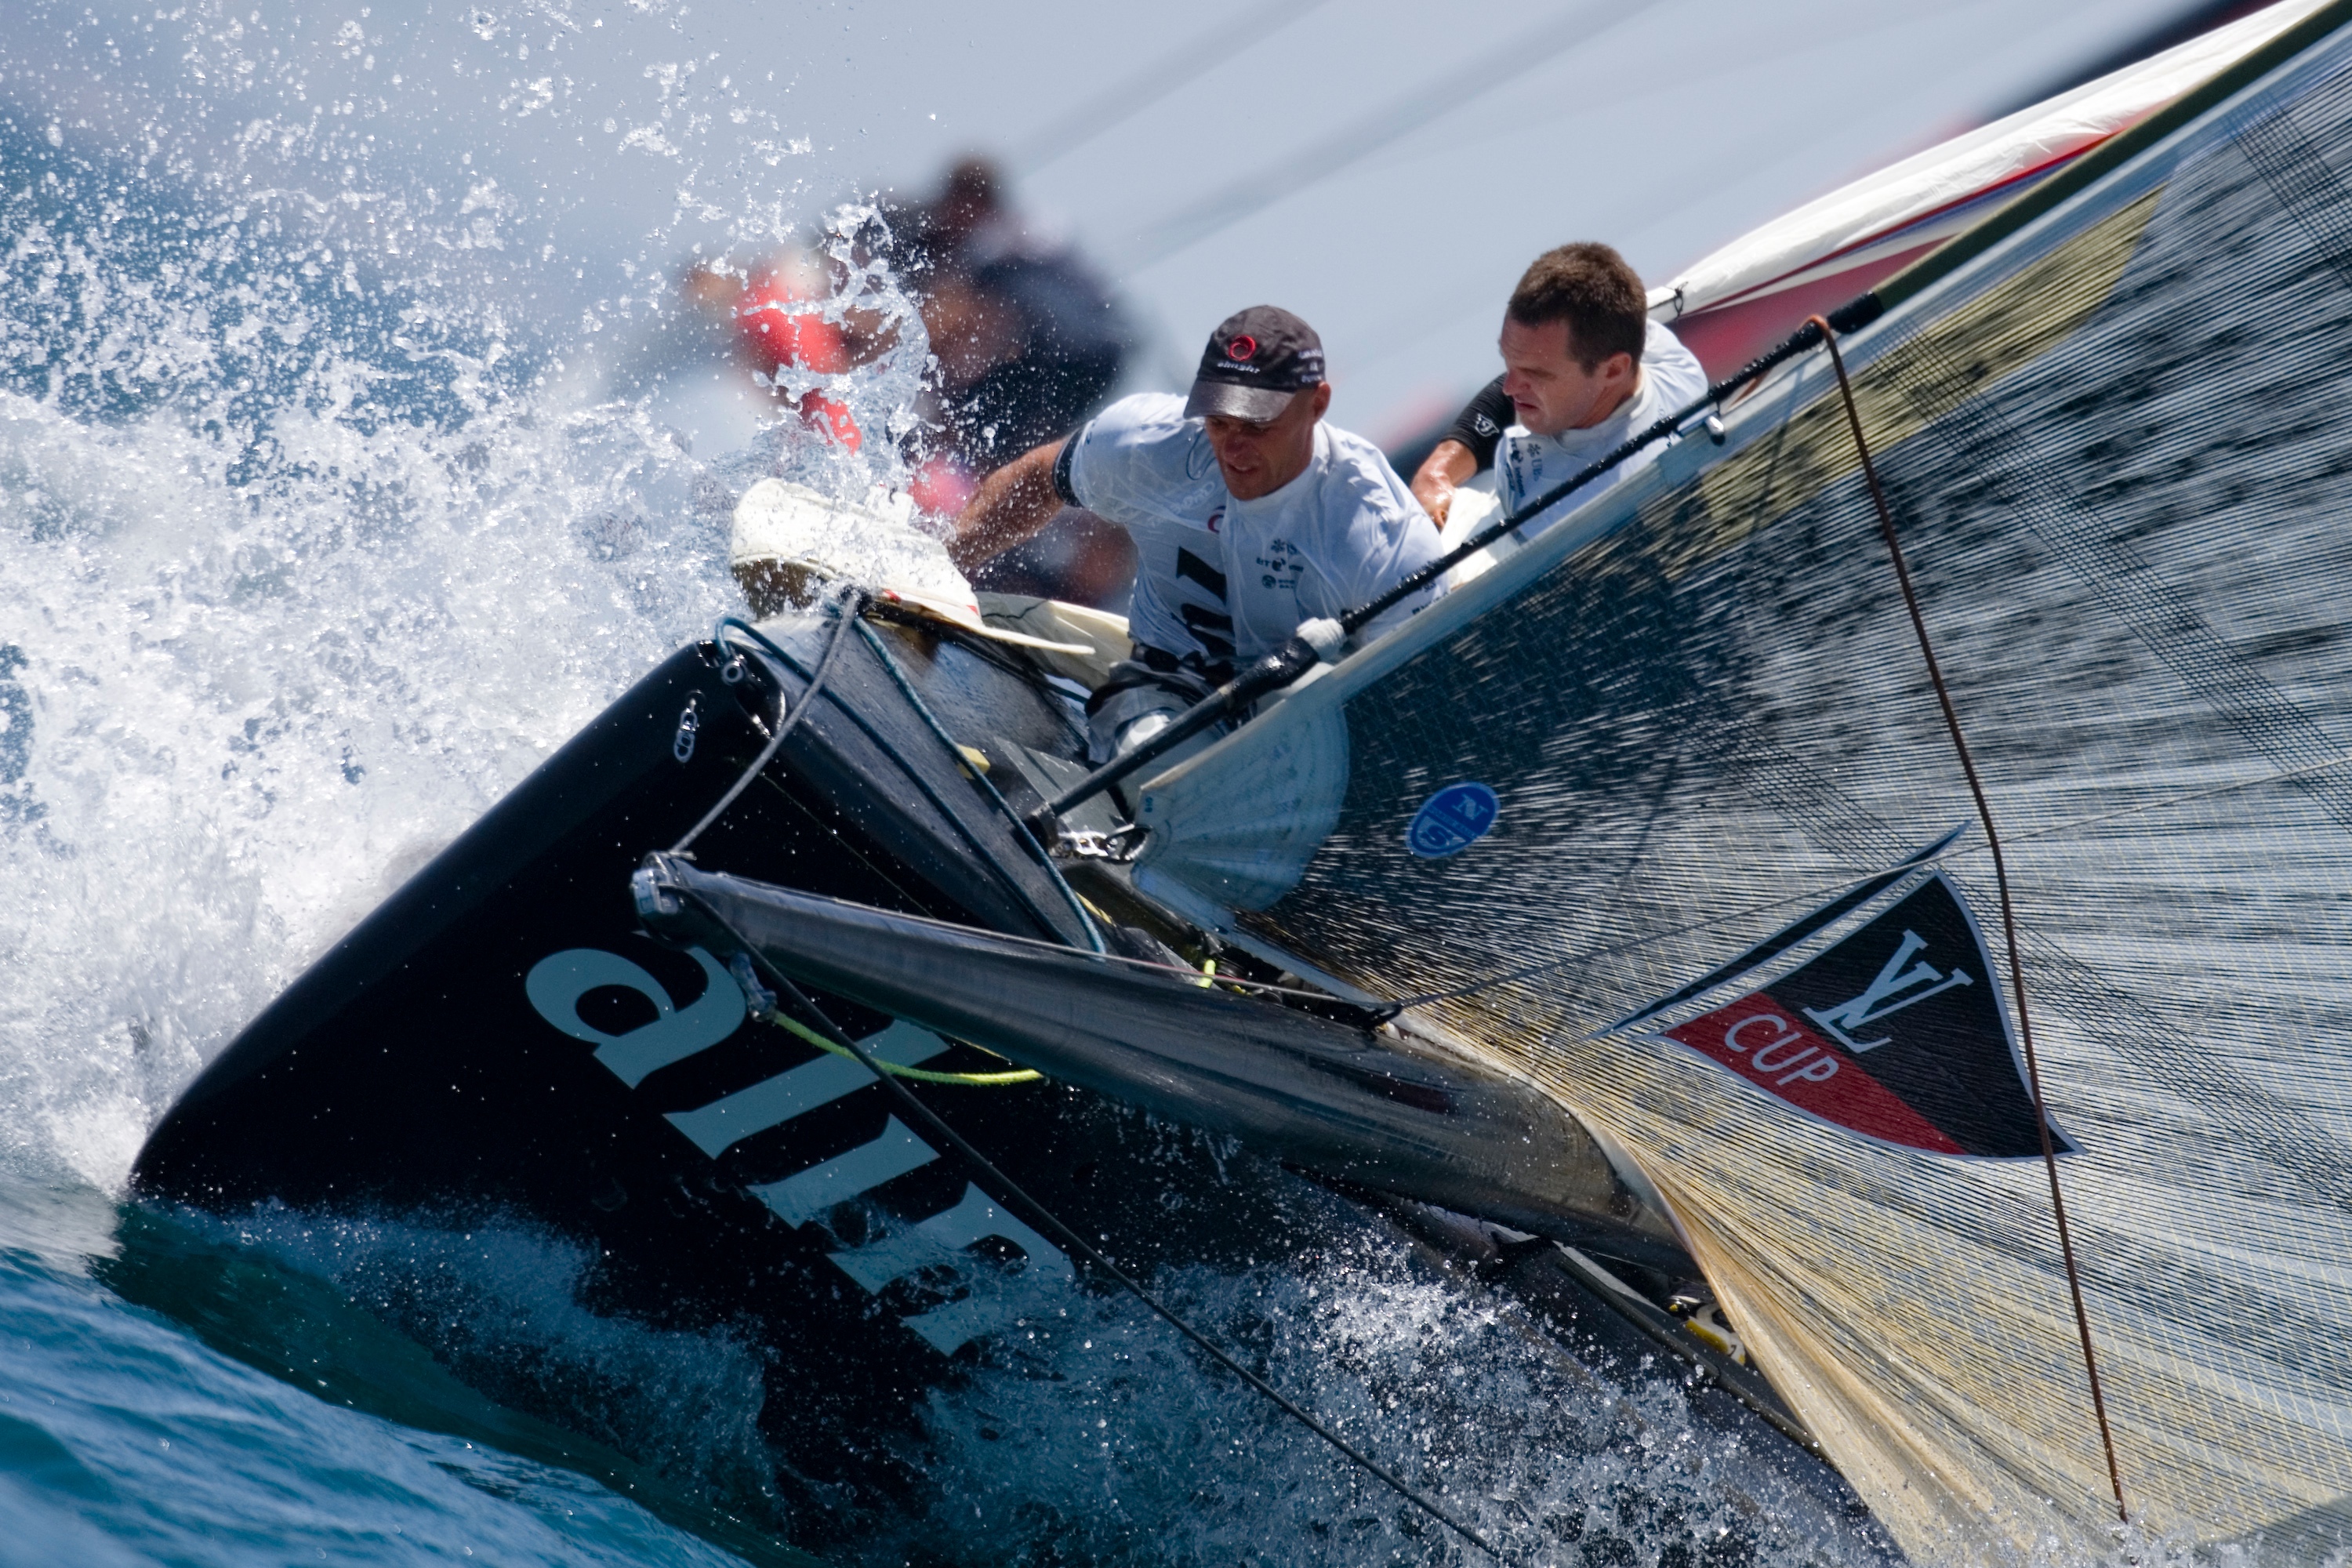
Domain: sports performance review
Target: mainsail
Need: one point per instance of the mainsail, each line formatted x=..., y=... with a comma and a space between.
x=1676, y=769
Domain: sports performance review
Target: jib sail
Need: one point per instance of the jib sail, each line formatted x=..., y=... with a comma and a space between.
x=1688, y=893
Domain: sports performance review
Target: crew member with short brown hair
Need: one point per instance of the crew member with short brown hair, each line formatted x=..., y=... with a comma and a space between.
x=1250, y=515
x=1583, y=368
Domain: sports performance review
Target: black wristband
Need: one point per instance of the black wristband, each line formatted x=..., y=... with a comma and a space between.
x=1481, y=423
x=1062, y=486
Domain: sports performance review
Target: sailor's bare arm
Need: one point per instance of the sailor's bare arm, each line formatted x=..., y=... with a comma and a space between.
x=1010, y=505
x=1450, y=465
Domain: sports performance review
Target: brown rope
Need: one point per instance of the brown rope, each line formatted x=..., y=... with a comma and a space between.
x=2007, y=915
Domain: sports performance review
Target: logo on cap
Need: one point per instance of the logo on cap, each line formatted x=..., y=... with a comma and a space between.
x=1242, y=347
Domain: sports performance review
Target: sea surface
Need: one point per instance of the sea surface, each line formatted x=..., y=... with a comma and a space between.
x=321, y=527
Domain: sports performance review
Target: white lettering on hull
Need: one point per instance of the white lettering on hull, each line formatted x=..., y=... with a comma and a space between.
x=940, y=1239
x=556, y=985
x=801, y=1198
x=723, y=1123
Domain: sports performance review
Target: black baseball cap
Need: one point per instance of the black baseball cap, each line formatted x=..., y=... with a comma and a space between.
x=1256, y=362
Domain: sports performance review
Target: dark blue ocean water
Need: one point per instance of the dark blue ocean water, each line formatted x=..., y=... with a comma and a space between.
x=176, y=1389
x=125, y=1439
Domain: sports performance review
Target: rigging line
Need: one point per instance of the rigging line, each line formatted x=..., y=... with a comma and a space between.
x=1404, y=332
x=1006, y=882
x=1959, y=851
x=1843, y=898
x=1808, y=896
x=990, y=651
x=848, y=608
x=1295, y=657
x=1129, y=96
x=1812, y=895
x=1252, y=192
x=988, y=786
x=2008, y=911
x=1189, y=976
x=2190, y=797
x=1399, y=334
x=1051, y=1222
x=801, y=1032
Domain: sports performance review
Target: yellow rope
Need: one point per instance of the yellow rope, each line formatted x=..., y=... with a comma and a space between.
x=921, y=1075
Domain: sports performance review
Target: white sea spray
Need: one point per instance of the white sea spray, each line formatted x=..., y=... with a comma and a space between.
x=321, y=522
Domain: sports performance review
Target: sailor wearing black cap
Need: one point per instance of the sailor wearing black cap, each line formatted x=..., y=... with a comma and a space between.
x=1249, y=515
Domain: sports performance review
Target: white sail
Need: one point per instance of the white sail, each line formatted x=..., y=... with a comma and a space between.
x=1690, y=901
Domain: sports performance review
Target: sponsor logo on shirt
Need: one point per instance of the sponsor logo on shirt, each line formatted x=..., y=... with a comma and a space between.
x=1280, y=566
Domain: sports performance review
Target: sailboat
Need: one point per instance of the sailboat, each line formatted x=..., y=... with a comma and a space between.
x=1638, y=898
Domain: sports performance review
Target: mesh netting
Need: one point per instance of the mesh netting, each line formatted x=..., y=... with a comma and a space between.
x=2120, y=455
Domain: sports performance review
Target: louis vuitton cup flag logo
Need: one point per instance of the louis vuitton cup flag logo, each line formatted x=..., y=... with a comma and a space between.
x=1896, y=1032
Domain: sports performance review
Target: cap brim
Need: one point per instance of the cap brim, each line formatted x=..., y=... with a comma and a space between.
x=1255, y=404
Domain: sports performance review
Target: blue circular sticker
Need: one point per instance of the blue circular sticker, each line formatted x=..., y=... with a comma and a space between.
x=1452, y=820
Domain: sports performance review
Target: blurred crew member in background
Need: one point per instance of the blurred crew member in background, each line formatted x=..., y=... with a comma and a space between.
x=1249, y=515
x=1028, y=339
x=1583, y=368
x=1028, y=342
x=779, y=325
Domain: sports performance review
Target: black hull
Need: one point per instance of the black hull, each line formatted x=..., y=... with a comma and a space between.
x=445, y=1056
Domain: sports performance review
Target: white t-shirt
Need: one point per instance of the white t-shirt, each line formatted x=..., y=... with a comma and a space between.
x=1228, y=580
x=1527, y=465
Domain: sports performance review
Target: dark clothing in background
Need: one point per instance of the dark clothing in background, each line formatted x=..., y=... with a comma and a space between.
x=1482, y=422
x=1072, y=343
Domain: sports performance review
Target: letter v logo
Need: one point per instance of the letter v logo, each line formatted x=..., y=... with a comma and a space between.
x=1857, y=1013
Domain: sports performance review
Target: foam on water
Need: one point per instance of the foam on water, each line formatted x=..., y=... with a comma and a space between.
x=249, y=719
x=503, y=1307
x=1089, y=1433
x=313, y=541
x=1101, y=1438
